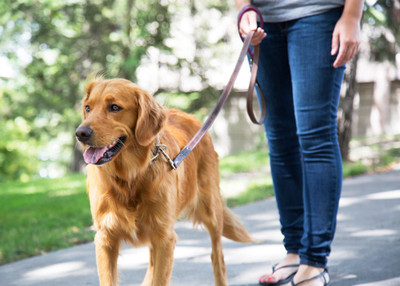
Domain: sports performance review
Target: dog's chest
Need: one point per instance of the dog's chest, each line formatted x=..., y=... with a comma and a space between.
x=126, y=224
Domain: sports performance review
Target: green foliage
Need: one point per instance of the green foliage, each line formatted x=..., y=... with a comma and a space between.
x=55, y=45
x=384, y=36
x=17, y=150
x=43, y=215
x=198, y=103
x=66, y=41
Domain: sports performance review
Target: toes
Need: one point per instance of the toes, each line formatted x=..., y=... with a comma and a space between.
x=268, y=279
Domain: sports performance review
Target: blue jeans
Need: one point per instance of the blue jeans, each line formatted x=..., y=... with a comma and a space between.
x=302, y=91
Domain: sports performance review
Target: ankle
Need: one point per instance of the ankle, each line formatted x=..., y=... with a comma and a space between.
x=290, y=258
x=315, y=275
x=310, y=270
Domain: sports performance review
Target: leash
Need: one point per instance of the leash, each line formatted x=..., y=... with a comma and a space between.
x=254, y=58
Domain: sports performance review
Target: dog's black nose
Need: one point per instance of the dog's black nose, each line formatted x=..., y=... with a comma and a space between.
x=83, y=133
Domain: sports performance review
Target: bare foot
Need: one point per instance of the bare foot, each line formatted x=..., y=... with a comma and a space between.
x=281, y=272
x=309, y=272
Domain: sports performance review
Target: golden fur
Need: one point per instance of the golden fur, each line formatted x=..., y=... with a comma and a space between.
x=136, y=199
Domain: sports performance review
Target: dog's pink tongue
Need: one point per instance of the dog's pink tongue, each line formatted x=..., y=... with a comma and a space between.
x=92, y=155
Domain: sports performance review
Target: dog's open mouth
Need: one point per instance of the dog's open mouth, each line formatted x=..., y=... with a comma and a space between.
x=101, y=155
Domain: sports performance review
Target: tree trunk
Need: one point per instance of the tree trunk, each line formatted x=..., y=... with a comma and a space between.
x=126, y=71
x=345, y=113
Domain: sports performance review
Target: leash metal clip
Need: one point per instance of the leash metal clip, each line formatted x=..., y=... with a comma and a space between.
x=161, y=148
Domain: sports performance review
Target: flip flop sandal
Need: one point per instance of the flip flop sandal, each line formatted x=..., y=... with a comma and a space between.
x=322, y=274
x=263, y=281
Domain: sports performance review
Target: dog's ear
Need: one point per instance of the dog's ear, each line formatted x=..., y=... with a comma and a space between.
x=88, y=89
x=89, y=85
x=151, y=119
x=91, y=81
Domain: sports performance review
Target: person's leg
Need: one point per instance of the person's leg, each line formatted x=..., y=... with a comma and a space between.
x=316, y=93
x=284, y=150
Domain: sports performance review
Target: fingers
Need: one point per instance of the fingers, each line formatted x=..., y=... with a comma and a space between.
x=347, y=51
x=258, y=36
x=335, y=43
x=249, y=23
x=345, y=40
x=252, y=20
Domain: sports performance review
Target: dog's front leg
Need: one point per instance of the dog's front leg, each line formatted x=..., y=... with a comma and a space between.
x=107, y=249
x=163, y=246
x=148, y=279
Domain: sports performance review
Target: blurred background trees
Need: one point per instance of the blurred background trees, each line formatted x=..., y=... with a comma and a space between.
x=381, y=31
x=48, y=49
x=62, y=42
x=172, y=47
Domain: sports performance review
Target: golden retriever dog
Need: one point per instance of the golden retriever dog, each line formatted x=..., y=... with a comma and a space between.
x=135, y=195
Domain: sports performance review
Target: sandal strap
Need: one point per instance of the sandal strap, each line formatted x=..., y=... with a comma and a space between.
x=265, y=276
x=322, y=274
x=274, y=269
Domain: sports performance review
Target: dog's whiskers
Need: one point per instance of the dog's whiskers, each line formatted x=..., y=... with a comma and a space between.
x=121, y=142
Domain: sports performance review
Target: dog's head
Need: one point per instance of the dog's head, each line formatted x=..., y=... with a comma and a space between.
x=117, y=114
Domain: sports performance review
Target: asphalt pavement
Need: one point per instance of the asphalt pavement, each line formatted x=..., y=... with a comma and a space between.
x=366, y=250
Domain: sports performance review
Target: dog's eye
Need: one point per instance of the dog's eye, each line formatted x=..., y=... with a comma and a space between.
x=115, y=108
x=87, y=108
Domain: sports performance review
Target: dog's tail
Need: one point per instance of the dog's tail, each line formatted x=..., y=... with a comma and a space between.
x=234, y=229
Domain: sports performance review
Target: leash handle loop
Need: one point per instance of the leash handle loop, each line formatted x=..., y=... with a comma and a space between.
x=253, y=83
x=254, y=56
x=240, y=16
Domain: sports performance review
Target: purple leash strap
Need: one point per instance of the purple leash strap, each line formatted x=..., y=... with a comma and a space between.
x=210, y=120
x=254, y=65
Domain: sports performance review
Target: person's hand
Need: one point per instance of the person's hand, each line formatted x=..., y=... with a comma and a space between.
x=345, y=40
x=249, y=23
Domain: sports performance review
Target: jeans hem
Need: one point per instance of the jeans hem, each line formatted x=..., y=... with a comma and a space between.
x=292, y=251
x=305, y=261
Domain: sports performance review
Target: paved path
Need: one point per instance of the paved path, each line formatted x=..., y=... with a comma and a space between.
x=366, y=250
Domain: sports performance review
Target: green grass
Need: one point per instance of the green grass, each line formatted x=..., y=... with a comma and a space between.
x=351, y=169
x=255, y=192
x=243, y=162
x=43, y=215
x=378, y=163
x=388, y=157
